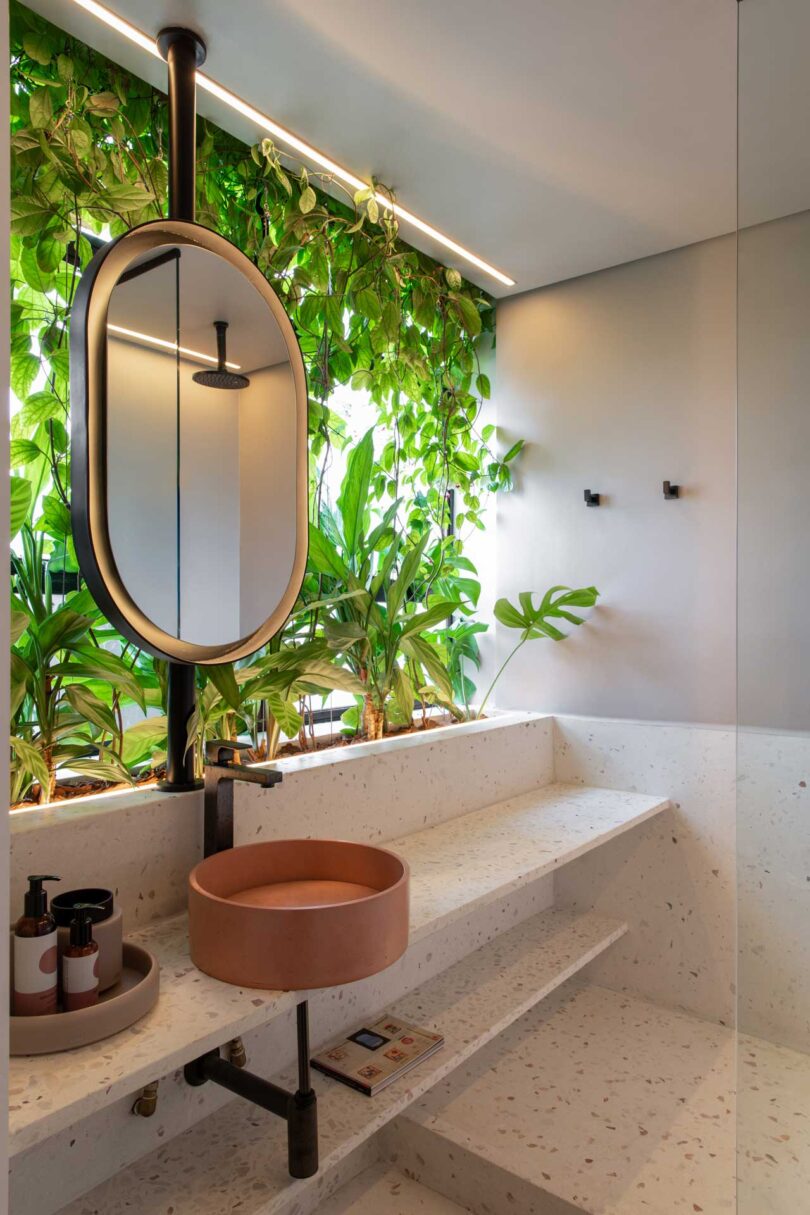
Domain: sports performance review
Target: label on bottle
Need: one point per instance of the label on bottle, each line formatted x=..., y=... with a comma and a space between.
x=80, y=980
x=35, y=962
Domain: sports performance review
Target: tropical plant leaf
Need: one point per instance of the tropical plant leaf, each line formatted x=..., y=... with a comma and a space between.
x=141, y=739
x=353, y=497
x=330, y=676
x=61, y=629
x=91, y=707
x=341, y=634
x=285, y=713
x=223, y=678
x=21, y=678
x=23, y=451
x=31, y=759
x=508, y=615
x=403, y=693
x=429, y=658
x=21, y=495
x=407, y=575
x=108, y=769
x=435, y=614
x=98, y=663
x=325, y=559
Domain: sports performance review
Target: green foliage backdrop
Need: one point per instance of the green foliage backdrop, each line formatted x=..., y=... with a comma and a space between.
x=387, y=609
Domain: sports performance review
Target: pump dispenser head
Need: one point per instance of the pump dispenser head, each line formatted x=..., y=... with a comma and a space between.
x=81, y=926
x=36, y=899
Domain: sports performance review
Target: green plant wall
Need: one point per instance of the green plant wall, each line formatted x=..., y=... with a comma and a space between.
x=89, y=157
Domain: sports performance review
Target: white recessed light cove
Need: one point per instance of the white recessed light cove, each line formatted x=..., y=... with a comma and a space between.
x=300, y=146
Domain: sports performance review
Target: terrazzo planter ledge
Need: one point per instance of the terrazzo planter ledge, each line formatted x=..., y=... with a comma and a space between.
x=144, y=843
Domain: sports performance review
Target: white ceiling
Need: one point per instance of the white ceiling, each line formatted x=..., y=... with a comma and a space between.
x=552, y=137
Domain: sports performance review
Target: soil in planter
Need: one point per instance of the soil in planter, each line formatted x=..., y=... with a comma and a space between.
x=75, y=787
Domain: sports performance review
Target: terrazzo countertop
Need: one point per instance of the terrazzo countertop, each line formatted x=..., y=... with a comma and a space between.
x=455, y=867
x=481, y=856
x=235, y=1159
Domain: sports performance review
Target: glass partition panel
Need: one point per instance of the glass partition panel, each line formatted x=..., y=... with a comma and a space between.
x=773, y=754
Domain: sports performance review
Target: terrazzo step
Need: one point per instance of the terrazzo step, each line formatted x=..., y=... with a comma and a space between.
x=594, y=1102
x=235, y=1159
x=382, y=1190
x=456, y=867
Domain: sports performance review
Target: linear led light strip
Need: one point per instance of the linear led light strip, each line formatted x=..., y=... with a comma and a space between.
x=164, y=345
x=286, y=137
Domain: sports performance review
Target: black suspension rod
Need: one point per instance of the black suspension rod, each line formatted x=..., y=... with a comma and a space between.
x=184, y=52
x=180, y=704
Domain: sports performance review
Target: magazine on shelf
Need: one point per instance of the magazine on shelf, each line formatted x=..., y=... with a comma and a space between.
x=377, y=1054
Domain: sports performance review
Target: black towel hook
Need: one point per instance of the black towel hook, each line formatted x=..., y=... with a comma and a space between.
x=671, y=491
x=591, y=499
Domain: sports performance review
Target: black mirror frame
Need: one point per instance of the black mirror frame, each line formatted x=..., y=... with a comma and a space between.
x=88, y=412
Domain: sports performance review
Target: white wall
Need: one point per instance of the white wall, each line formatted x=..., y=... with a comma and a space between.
x=617, y=381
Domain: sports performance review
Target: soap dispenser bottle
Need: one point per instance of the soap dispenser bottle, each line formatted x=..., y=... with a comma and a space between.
x=35, y=954
x=80, y=961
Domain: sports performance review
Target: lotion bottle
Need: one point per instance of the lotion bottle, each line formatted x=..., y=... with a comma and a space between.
x=35, y=954
x=80, y=962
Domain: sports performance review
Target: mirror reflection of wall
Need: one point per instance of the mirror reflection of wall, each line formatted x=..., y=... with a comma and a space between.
x=201, y=472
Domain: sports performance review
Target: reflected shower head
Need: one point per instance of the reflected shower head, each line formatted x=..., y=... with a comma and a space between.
x=221, y=377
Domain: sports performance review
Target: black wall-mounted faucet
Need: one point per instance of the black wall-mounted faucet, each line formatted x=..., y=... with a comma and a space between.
x=221, y=771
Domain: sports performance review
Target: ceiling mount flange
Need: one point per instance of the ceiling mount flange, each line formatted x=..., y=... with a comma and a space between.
x=177, y=33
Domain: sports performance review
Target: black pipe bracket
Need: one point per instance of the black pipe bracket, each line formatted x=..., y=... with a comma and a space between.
x=299, y=1109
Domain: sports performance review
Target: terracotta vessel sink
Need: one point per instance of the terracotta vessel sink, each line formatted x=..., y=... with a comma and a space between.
x=297, y=914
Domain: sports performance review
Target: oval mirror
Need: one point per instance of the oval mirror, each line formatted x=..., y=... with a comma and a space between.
x=189, y=444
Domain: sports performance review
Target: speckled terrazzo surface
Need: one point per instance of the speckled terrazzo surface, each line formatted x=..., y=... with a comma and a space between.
x=773, y=843
x=773, y=1129
x=675, y=880
x=479, y=856
x=234, y=1160
x=608, y=1102
x=454, y=867
x=385, y=1191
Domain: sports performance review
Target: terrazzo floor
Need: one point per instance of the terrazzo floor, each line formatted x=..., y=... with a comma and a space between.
x=603, y=1101
x=385, y=1191
x=773, y=1129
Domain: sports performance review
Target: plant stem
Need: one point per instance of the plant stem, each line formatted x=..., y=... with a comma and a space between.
x=501, y=670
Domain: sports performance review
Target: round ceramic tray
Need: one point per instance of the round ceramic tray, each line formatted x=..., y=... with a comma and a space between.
x=117, y=1008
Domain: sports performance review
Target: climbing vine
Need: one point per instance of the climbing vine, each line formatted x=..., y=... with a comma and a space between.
x=89, y=143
